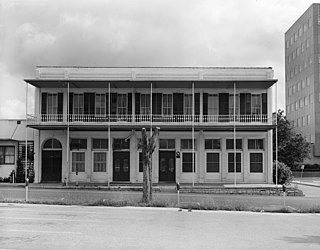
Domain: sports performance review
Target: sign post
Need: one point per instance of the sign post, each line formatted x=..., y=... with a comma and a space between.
x=302, y=168
x=284, y=189
x=178, y=196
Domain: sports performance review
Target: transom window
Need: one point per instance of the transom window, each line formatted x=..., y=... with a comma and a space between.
x=100, y=144
x=212, y=144
x=167, y=144
x=119, y=144
x=52, y=144
x=78, y=144
x=167, y=104
x=230, y=144
x=255, y=143
x=187, y=144
x=7, y=155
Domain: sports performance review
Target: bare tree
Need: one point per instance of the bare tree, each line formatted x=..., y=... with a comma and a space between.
x=148, y=147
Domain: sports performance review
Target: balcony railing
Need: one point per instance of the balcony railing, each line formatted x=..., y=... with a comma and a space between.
x=48, y=119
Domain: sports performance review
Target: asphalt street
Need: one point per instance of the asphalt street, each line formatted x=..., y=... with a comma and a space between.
x=26, y=226
x=82, y=196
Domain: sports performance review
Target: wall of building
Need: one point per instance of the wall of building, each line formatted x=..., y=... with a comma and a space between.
x=200, y=176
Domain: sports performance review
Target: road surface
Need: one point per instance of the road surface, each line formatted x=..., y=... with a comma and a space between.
x=26, y=226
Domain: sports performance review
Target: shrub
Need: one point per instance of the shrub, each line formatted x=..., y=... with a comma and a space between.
x=284, y=173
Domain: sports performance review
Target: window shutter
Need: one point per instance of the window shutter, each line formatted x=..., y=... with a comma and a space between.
x=137, y=103
x=60, y=103
x=113, y=103
x=107, y=103
x=205, y=103
x=44, y=103
x=86, y=103
x=92, y=103
x=129, y=111
x=177, y=103
x=223, y=104
x=197, y=104
x=264, y=103
x=156, y=103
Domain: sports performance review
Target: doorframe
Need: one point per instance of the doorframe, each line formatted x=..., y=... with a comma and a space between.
x=175, y=165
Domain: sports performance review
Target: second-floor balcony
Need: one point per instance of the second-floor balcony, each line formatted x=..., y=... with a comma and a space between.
x=146, y=120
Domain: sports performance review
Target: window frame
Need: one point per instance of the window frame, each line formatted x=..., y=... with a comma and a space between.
x=194, y=163
x=219, y=163
x=105, y=162
x=73, y=161
x=241, y=159
x=262, y=162
x=4, y=155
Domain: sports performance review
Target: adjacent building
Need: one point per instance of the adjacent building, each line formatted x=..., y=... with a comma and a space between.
x=302, y=60
x=215, y=124
x=12, y=145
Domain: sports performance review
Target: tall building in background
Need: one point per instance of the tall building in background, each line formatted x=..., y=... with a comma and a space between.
x=302, y=60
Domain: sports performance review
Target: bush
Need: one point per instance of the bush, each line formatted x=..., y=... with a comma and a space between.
x=284, y=173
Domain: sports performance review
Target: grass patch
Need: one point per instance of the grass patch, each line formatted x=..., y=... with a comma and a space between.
x=204, y=205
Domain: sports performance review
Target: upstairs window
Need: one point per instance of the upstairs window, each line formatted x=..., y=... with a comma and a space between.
x=187, y=105
x=122, y=104
x=78, y=104
x=100, y=104
x=167, y=104
x=145, y=104
x=52, y=104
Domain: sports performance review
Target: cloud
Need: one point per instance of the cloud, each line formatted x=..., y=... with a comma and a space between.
x=144, y=33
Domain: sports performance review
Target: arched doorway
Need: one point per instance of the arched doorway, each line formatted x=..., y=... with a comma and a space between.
x=51, y=161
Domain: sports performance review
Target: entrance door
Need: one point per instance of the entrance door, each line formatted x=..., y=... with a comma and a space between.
x=167, y=166
x=121, y=166
x=51, y=165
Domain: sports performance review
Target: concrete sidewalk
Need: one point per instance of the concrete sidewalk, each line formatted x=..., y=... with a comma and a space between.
x=307, y=181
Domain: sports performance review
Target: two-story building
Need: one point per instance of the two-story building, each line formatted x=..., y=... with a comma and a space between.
x=215, y=123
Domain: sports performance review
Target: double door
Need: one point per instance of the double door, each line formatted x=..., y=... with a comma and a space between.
x=121, y=166
x=167, y=166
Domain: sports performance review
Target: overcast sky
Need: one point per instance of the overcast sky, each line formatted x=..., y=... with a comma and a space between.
x=138, y=33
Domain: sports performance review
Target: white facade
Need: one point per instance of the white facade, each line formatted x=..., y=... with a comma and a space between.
x=209, y=118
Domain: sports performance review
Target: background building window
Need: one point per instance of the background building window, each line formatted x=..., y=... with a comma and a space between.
x=7, y=155
x=187, y=162
x=213, y=162
x=78, y=161
x=99, y=161
x=231, y=162
x=256, y=162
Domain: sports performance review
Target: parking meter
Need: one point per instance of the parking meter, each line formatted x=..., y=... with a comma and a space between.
x=27, y=182
x=284, y=188
x=178, y=186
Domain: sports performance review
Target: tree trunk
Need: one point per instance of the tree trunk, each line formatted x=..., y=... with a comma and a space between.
x=148, y=147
